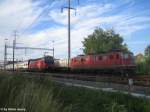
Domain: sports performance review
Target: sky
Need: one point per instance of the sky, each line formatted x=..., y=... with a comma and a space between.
x=39, y=22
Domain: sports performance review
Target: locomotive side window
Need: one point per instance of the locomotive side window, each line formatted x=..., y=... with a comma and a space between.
x=117, y=56
x=111, y=57
x=100, y=58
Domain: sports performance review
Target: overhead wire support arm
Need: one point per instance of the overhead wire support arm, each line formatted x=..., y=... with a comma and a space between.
x=67, y=8
x=32, y=48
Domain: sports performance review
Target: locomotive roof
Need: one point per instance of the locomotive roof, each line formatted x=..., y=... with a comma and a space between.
x=111, y=51
x=105, y=53
x=40, y=58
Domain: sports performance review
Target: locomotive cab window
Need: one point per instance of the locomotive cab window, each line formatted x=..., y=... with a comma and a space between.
x=75, y=60
x=49, y=60
x=72, y=60
x=111, y=57
x=82, y=59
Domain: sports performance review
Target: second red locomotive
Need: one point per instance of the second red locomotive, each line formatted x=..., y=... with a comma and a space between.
x=114, y=61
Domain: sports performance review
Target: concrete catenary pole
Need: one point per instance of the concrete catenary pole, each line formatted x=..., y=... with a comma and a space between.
x=69, y=43
x=14, y=46
x=5, y=53
x=53, y=50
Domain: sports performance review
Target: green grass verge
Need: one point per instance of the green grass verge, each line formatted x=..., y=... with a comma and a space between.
x=43, y=95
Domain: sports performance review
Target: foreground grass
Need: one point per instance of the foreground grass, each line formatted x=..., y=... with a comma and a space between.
x=42, y=95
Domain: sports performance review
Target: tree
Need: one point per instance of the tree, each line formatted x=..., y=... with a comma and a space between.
x=147, y=51
x=103, y=41
x=143, y=67
x=147, y=58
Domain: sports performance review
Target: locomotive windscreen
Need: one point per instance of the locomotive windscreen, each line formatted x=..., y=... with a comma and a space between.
x=49, y=60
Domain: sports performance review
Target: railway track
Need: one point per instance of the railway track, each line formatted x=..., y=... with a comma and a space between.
x=137, y=80
x=112, y=84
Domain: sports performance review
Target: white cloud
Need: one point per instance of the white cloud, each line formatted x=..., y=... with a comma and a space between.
x=82, y=25
x=81, y=13
x=91, y=16
x=17, y=14
x=87, y=19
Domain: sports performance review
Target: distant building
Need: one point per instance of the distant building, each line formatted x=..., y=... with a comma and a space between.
x=139, y=57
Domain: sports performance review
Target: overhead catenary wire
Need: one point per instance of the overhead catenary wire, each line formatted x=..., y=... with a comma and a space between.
x=44, y=11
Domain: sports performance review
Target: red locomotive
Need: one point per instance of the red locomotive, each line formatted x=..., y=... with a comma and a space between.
x=114, y=61
x=41, y=64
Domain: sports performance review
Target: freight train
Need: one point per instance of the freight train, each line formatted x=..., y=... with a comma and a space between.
x=114, y=61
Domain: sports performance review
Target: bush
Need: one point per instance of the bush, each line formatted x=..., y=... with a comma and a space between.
x=43, y=95
x=143, y=68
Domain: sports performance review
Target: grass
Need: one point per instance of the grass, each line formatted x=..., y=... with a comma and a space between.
x=20, y=92
x=43, y=95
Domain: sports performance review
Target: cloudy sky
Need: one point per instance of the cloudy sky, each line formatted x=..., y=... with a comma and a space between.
x=39, y=22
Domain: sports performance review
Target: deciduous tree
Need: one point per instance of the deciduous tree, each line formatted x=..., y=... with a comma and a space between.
x=103, y=41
